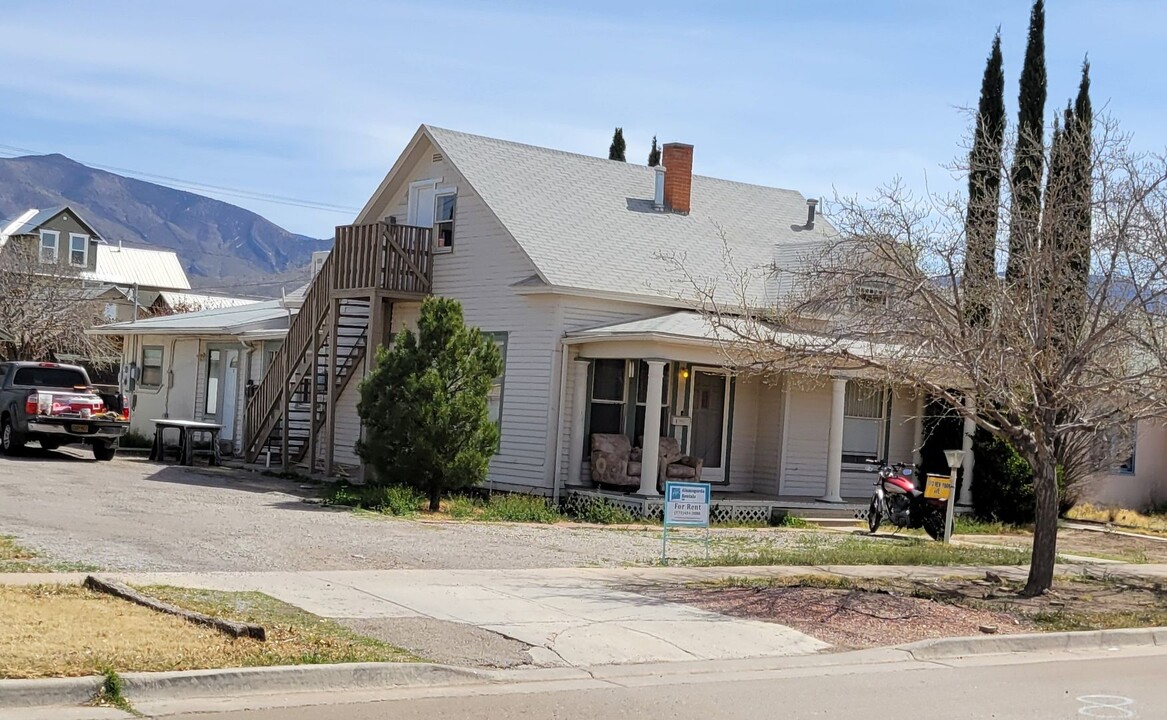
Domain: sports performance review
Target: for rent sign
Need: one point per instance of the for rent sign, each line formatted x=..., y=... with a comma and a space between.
x=687, y=504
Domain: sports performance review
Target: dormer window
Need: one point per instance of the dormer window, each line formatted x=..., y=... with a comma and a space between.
x=50, y=246
x=78, y=250
x=868, y=294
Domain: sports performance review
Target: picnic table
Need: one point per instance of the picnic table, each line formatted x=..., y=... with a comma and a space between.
x=187, y=430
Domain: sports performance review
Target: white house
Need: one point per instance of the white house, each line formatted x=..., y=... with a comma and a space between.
x=198, y=365
x=570, y=263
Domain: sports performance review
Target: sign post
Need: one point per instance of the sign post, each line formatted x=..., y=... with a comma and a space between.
x=686, y=505
x=955, y=458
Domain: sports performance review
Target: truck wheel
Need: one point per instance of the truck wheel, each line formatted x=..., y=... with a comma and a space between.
x=104, y=451
x=11, y=442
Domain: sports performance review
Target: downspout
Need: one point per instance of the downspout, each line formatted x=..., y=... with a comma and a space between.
x=169, y=368
x=557, y=478
x=241, y=387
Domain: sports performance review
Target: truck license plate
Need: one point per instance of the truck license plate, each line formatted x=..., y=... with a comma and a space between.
x=79, y=428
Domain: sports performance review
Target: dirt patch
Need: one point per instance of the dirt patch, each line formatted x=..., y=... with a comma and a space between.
x=1110, y=546
x=848, y=619
x=852, y=614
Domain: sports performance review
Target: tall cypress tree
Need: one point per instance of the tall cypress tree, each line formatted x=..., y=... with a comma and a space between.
x=616, y=150
x=1079, y=153
x=1025, y=213
x=984, y=188
x=654, y=154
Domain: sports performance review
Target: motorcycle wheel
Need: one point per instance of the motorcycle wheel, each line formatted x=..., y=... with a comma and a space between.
x=934, y=524
x=873, y=516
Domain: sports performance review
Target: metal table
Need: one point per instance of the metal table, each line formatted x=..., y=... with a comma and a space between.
x=187, y=430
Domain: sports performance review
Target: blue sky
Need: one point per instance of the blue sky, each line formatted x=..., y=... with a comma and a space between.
x=315, y=100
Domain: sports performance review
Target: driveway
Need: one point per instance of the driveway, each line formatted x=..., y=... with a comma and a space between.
x=134, y=515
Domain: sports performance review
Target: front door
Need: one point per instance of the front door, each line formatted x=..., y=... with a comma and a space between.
x=708, y=402
x=221, y=388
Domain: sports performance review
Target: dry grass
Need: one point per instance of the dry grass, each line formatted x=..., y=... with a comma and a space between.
x=66, y=631
x=1155, y=524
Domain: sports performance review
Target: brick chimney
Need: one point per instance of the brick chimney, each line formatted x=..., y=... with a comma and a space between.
x=678, y=161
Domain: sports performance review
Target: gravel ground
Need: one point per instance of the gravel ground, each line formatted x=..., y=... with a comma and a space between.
x=133, y=515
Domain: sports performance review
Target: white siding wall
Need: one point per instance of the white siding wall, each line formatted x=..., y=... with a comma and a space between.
x=179, y=365
x=903, y=426
x=484, y=264
x=743, y=435
x=806, y=440
x=768, y=443
x=348, y=424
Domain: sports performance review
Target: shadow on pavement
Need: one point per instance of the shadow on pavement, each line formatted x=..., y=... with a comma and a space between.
x=230, y=479
x=33, y=453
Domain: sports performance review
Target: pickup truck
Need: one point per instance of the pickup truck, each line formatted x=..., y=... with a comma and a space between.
x=56, y=405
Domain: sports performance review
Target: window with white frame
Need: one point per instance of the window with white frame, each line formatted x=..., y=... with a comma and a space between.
x=865, y=406
x=444, y=220
x=609, y=395
x=78, y=250
x=642, y=400
x=494, y=397
x=50, y=246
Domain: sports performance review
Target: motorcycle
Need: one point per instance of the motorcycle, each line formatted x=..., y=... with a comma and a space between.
x=898, y=500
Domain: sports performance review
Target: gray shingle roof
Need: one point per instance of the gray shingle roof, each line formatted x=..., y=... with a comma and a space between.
x=588, y=223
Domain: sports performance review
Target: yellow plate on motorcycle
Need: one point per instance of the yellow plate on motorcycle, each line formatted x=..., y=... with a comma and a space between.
x=939, y=487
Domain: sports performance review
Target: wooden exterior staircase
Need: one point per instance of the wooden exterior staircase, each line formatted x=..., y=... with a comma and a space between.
x=291, y=414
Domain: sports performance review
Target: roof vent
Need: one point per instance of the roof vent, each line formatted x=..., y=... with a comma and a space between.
x=810, y=206
x=658, y=196
x=437, y=157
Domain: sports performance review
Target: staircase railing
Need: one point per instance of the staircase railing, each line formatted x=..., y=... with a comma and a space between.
x=378, y=257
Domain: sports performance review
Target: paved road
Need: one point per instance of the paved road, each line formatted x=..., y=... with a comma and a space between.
x=137, y=516
x=1129, y=686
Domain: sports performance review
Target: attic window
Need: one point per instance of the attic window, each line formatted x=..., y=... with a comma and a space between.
x=870, y=293
x=50, y=246
x=438, y=157
x=78, y=250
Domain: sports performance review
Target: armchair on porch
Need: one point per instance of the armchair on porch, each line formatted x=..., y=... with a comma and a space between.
x=616, y=464
x=612, y=464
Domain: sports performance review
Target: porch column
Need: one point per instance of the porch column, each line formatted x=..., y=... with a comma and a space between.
x=964, y=499
x=918, y=438
x=835, y=442
x=577, y=436
x=651, y=451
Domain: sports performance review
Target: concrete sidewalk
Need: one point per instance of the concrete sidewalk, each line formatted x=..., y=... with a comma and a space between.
x=570, y=617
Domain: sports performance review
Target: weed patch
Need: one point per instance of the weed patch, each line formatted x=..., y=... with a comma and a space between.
x=815, y=550
x=517, y=507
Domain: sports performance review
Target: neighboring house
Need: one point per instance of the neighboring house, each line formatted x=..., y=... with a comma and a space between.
x=563, y=259
x=68, y=246
x=198, y=365
x=1141, y=482
x=65, y=244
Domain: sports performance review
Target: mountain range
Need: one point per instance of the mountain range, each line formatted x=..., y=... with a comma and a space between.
x=222, y=247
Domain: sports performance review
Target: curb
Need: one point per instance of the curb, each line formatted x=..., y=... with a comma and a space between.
x=147, y=686
x=48, y=691
x=943, y=648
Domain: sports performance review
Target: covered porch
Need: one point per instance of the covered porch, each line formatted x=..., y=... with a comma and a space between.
x=776, y=441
